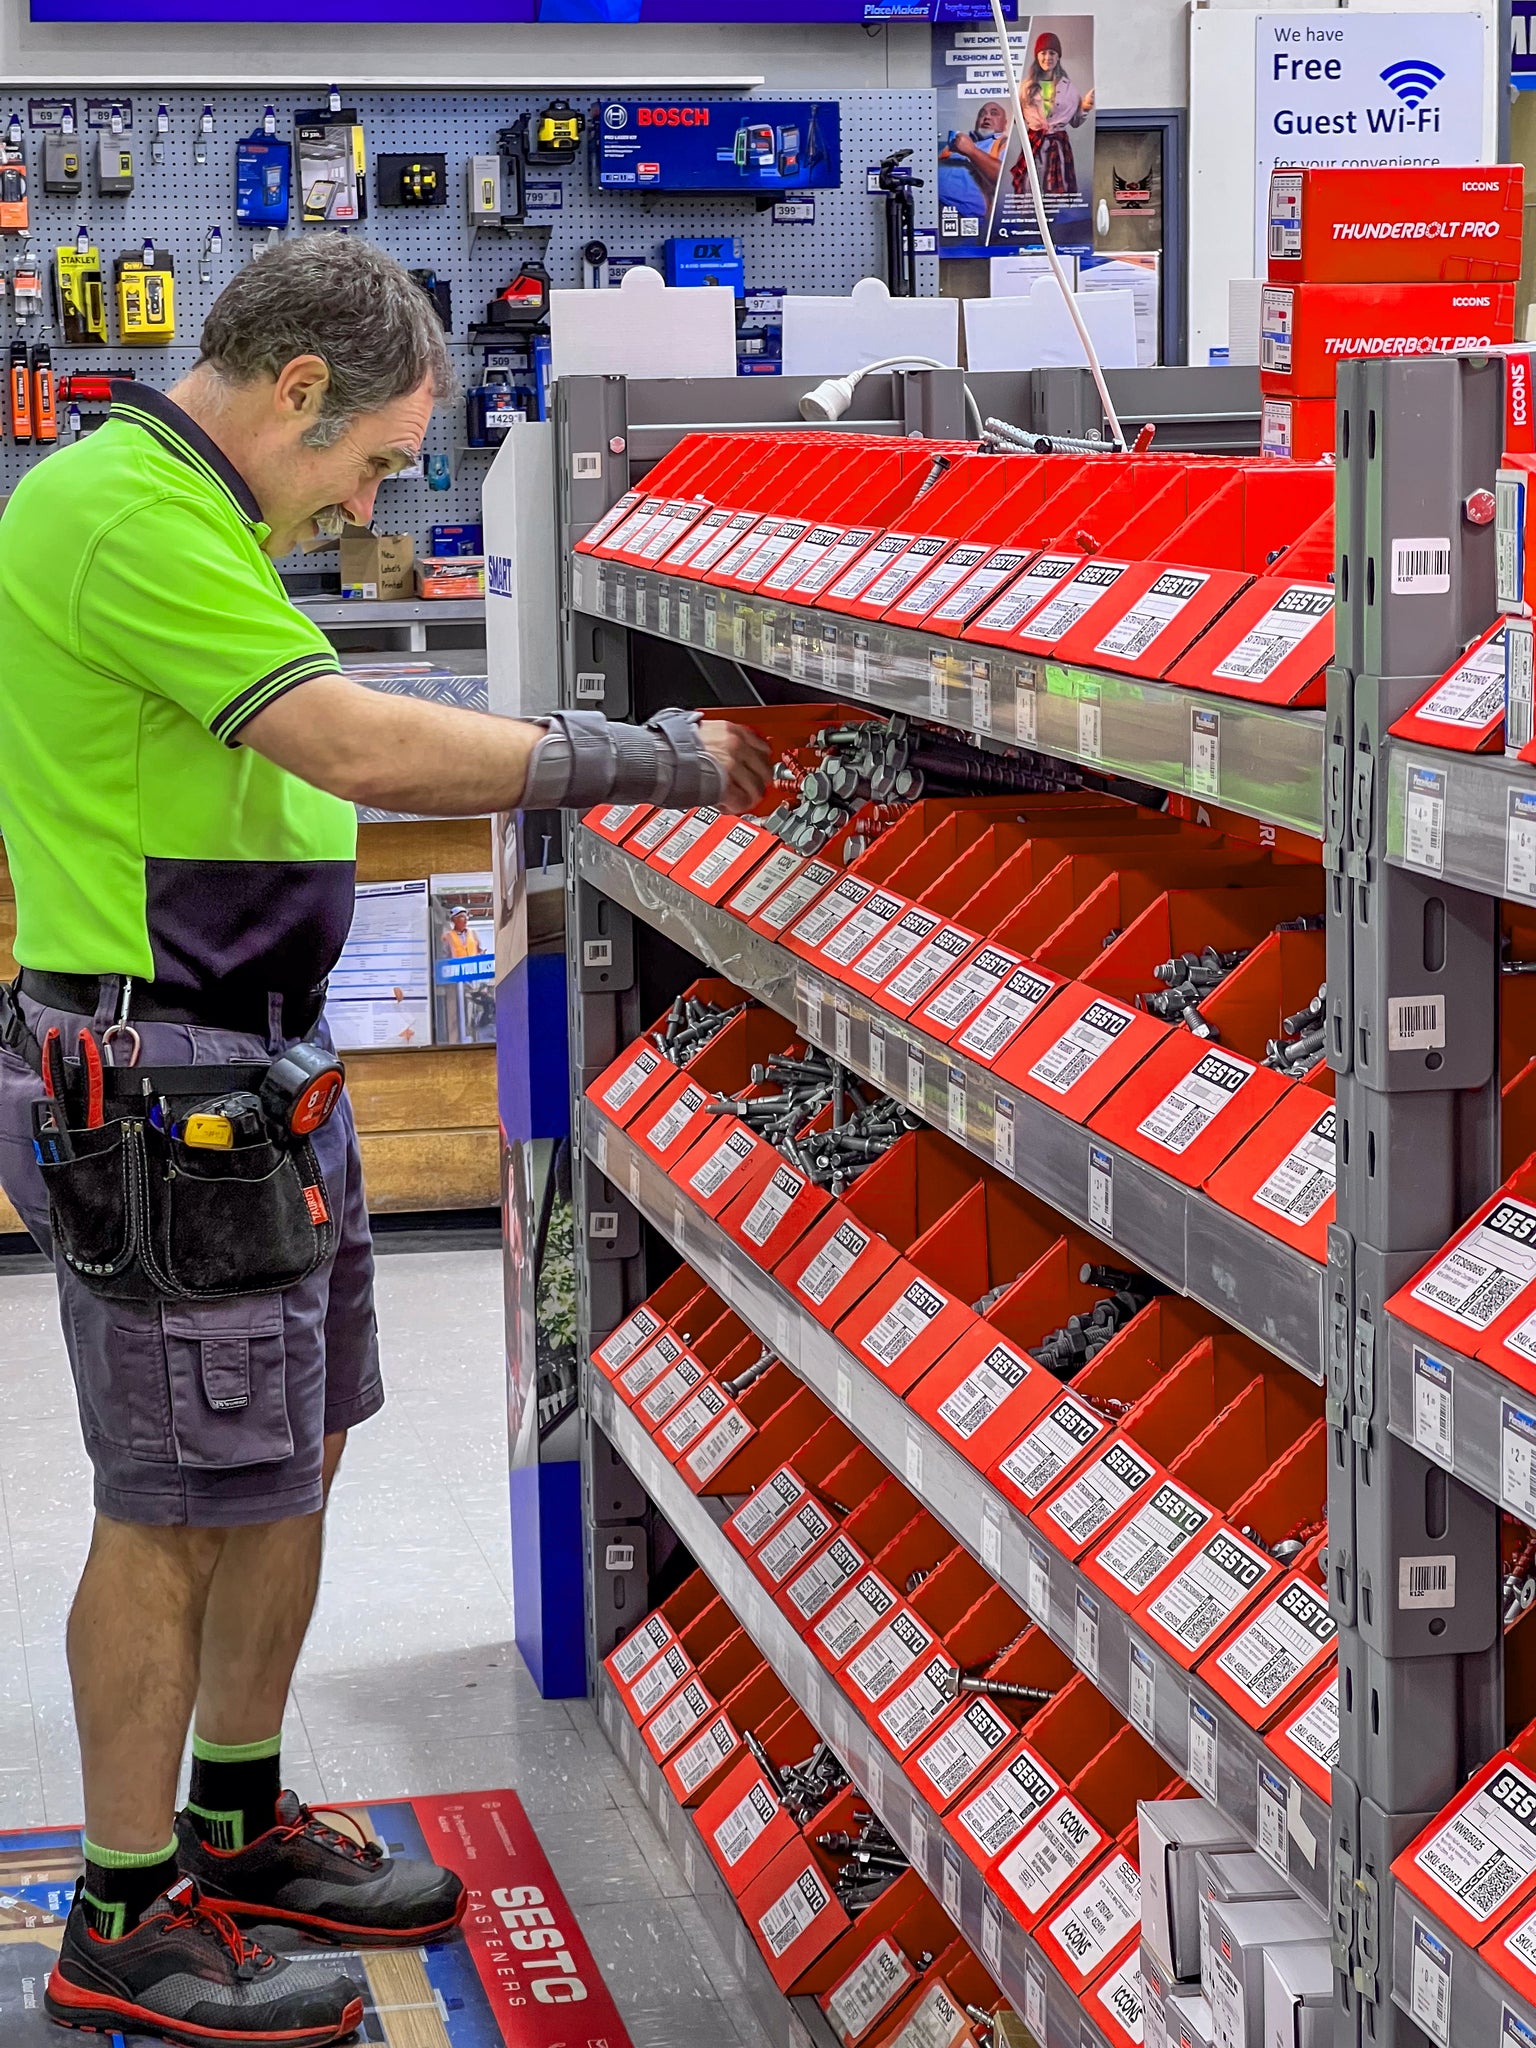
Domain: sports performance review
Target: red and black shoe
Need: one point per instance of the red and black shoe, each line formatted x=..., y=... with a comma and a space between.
x=339, y=1887
x=187, y=1975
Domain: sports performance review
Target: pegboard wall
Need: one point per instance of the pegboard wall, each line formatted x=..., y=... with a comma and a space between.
x=176, y=202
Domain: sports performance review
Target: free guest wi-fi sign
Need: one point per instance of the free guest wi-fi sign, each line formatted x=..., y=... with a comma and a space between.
x=1348, y=88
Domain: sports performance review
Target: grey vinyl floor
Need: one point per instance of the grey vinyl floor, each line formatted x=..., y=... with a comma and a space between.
x=410, y=1681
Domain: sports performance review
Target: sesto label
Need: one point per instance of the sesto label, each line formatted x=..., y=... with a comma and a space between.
x=1486, y=1849
x=1081, y=1045
x=745, y=1822
x=833, y=1263
x=1038, y=1459
x=1278, y=633
x=1284, y=1638
x=1195, y=1102
x=1306, y=1177
x=903, y=1322
x=1477, y=1279
x=984, y=1390
x=1153, y=1537
x=861, y=1609
x=1209, y=1590
x=1004, y=1807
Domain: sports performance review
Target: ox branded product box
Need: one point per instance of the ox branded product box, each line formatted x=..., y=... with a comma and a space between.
x=1307, y=330
x=1241, y=1937
x=1172, y=1834
x=1396, y=224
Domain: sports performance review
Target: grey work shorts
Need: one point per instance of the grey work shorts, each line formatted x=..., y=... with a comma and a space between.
x=307, y=1360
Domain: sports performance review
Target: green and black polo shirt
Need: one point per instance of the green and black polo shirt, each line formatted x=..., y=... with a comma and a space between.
x=141, y=626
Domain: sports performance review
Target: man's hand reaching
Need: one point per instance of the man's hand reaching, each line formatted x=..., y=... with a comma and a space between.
x=742, y=756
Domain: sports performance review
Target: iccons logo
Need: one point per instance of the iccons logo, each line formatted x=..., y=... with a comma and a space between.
x=1519, y=373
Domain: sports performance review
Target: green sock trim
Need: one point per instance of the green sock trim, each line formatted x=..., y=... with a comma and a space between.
x=108, y=1917
x=128, y=1859
x=240, y=1753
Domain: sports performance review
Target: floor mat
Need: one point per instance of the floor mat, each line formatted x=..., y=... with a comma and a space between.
x=518, y=1974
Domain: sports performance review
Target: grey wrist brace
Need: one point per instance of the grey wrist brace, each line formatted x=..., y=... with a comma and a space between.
x=585, y=758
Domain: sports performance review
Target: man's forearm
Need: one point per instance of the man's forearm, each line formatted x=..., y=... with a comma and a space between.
x=398, y=753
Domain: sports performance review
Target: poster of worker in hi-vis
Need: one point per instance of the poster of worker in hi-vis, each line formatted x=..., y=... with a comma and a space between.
x=985, y=206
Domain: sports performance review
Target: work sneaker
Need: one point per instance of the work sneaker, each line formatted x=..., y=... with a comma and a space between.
x=187, y=1975
x=324, y=1876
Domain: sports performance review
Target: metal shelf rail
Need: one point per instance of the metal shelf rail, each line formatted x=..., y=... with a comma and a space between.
x=1182, y=1237
x=1101, y=1640
x=1265, y=763
x=1413, y=1539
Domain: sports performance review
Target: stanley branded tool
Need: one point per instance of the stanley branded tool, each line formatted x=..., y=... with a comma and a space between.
x=19, y=392
x=81, y=306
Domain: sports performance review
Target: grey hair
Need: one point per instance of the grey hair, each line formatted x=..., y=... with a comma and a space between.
x=337, y=297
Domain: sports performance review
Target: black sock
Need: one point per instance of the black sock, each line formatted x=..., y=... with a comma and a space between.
x=234, y=1792
x=118, y=1888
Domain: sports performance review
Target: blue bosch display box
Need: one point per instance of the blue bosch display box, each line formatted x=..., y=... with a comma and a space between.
x=717, y=145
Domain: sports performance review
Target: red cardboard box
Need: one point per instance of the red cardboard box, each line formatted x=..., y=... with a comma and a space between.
x=787, y=1488
x=961, y=1751
x=1270, y=646
x=1464, y=710
x=1117, y=2001
x=1296, y=429
x=836, y=1262
x=614, y=822
x=988, y=1820
x=792, y=1914
x=1277, y=1653
x=773, y=1215
x=1283, y=1177
x=1205, y=1593
x=1306, y=1738
x=1395, y=225
x=743, y=1825
x=1484, y=1282
x=1138, y=1362
x=1306, y=330
x=1096, y=1924
x=825, y=1577
x=1055, y=1849
x=851, y=1621
x=1474, y=1866
x=1077, y=1054
x=1049, y=1449
x=1155, y=611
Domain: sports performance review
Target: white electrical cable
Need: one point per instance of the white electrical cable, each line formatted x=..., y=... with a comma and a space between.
x=831, y=398
x=1017, y=127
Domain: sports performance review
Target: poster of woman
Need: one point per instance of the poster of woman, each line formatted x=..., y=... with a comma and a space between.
x=985, y=206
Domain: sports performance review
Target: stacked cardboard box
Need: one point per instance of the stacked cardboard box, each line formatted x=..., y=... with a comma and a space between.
x=1386, y=262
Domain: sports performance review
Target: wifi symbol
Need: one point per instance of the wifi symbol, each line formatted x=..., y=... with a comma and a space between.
x=1412, y=80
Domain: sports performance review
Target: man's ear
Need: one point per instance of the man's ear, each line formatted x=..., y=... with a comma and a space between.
x=299, y=392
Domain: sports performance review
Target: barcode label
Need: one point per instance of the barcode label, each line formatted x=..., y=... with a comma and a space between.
x=1426, y=1582
x=1420, y=567
x=1415, y=1023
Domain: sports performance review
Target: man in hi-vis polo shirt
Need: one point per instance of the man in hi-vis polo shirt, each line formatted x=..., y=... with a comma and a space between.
x=179, y=765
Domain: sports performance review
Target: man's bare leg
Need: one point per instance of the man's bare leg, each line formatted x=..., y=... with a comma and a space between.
x=133, y=1642
x=259, y=1606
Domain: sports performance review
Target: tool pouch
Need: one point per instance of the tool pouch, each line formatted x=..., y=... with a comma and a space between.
x=139, y=1216
x=94, y=1206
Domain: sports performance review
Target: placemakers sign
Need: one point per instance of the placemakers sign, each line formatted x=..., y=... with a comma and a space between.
x=1349, y=89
